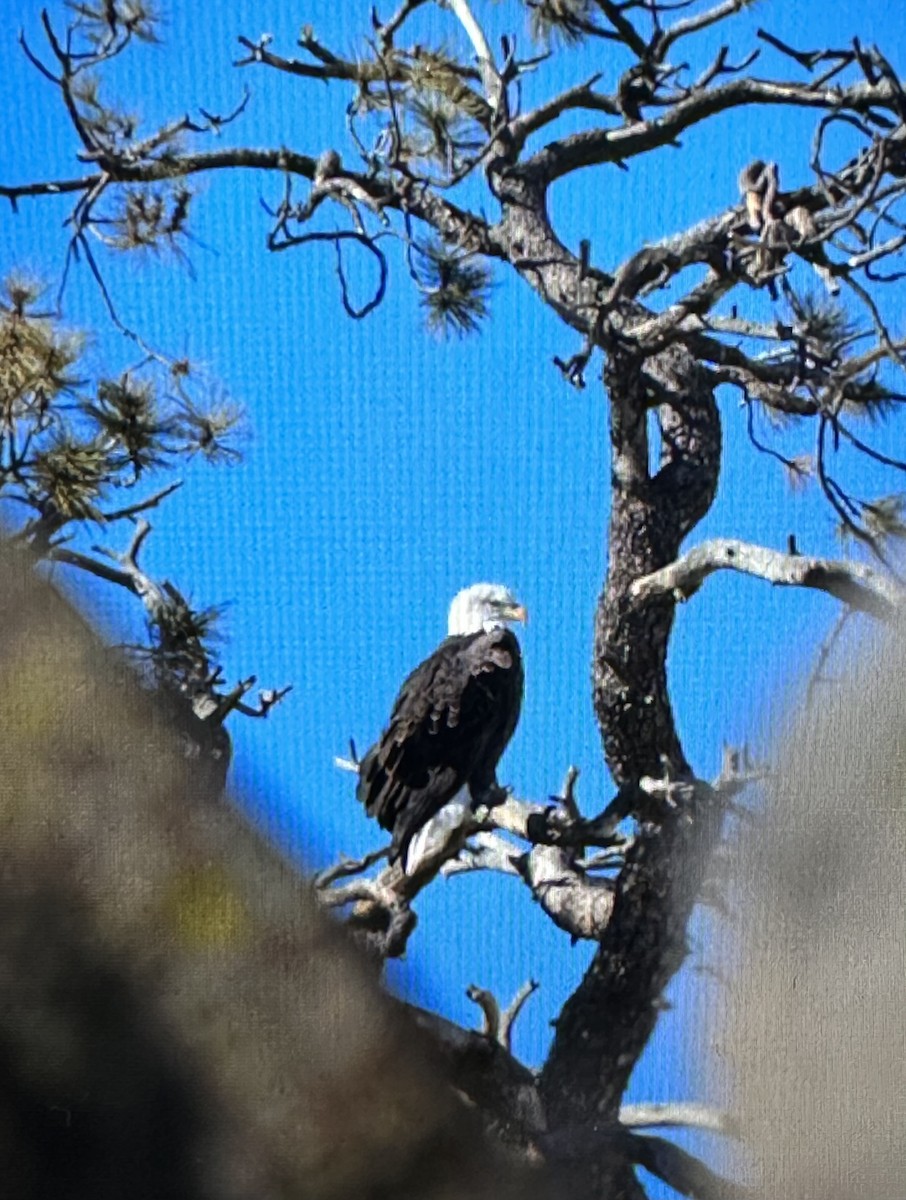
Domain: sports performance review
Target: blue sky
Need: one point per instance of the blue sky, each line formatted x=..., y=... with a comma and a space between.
x=384, y=469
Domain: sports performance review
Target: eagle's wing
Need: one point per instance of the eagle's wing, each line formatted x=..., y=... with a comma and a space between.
x=449, y=725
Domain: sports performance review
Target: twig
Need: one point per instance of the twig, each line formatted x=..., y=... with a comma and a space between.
x=513, y=1009
x=347, y=764
x=498, y=1024
x=142, y=505
x=74, y=558
x=825, y=650
x=490, y=1009
x=387, y=29
x=267, y=699
x=690, y=25
x=349, y=866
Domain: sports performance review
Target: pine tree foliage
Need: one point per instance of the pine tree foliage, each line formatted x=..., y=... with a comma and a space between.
x=83, y=458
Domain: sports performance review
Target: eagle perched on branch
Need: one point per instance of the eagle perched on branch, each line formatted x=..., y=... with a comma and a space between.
x=451, y=721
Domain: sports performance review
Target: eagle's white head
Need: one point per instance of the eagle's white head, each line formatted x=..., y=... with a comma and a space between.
x=483, y=606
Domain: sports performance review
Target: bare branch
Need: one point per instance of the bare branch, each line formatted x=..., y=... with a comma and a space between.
x=332, y=68
x=475, y=34
x=390, y=67
x=155, y=170
x=91, y=566
x=594, y=147
x=498, y=1023
x=575, y=900
x=513, y=1009
x=132, y=510
x=855, y=584
x=386, y=30
x=689, y=25
x=486, y=851
x=267, y=699
x=490, y=1009
x=677, y=1114
x=53, y=187
x=578, y=903
x=580, y=96
x=679, y=1169
x=348, y=866
x=627, y=32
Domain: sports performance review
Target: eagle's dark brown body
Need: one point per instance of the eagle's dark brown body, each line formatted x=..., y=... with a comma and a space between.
x=450, y=724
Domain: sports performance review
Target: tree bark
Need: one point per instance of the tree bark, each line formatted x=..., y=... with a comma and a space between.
x=606, y=1023
x=649, y=518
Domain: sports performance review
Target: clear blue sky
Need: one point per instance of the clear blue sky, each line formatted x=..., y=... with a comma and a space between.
x=385, y=469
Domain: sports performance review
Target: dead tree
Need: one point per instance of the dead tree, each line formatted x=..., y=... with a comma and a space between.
x=426, y=129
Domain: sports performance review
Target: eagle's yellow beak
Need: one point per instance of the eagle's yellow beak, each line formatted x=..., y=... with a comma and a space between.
x=516, y=612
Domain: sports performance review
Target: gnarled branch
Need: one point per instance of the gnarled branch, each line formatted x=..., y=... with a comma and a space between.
x=854, y=583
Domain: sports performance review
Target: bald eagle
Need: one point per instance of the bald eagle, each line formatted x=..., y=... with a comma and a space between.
x=451, y=720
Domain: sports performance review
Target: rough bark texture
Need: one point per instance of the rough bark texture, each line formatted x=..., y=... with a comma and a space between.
x=649, y=517
x=606, y=1023
x=608, y=1020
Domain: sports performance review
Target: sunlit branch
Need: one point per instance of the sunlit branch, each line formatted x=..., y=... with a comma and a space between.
x=132, y=510
x=678, y=1114
x=853, y=583
x=498, y=1022
x=576, y=901
x=581, y=96
x=599, y=146
x=474, y=32
x=658, y=332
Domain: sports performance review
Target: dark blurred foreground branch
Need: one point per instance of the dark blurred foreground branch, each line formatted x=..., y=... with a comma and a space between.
x=177, y=1018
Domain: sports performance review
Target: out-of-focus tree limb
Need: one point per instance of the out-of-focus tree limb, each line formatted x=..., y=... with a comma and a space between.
x=813, y=1031
x=177, y=1017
